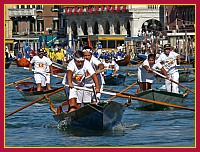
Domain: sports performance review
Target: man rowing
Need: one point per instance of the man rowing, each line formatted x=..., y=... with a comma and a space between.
x=97, y=66
x=77, y=71
x=41, y=63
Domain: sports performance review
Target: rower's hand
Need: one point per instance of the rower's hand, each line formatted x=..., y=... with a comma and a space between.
x=97, y=90
x=51, y=74
x=71, y=85
x=30, y=69
x=149, y=70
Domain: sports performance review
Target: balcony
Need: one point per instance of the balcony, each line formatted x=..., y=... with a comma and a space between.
x=21, y=12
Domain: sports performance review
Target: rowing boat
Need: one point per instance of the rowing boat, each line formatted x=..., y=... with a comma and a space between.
x=23, y=62
x=7, y=64
x=124, y=62
x=159, y=95
x=117, y=79
x=99, y=116
x=28, y=91
x=184, y=76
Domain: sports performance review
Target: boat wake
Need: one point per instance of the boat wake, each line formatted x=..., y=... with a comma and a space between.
x=125, y=127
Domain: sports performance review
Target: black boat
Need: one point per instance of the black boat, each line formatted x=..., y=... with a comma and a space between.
x=118, y=79
x=101, y=116
x=28, y=91
x=7, y=64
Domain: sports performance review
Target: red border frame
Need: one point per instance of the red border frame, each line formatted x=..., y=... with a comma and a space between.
x=2, y=148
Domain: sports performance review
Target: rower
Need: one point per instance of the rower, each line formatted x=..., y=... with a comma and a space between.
x=77, y=70
x=168, y=60
x=145, y=74
x=97, y=66
x=40, y=64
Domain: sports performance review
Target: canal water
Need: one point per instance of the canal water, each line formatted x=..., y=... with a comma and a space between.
x=35, y=127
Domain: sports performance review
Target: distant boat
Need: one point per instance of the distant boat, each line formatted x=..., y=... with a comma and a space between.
x=101, y=116
x=7, y=64
x=124, y=62
x=23, y=62
x=117, y=79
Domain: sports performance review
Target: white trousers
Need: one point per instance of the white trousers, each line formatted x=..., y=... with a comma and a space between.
x=170, y=86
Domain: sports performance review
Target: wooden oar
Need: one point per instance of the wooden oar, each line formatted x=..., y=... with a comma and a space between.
x=59, y=66
x=57, y=76
x=173, y=81
x=132, y=74
x=134, y=98
x=125, y=95
x=186, y=69
x=19, y=81
x=122, y=91
x=33, y=102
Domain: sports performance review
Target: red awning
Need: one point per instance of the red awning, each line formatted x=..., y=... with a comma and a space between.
x=81, y=11
x=118, y=8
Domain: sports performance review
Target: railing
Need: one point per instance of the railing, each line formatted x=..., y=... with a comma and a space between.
x=21, y=12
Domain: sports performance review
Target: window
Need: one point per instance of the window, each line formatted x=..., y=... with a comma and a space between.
x=55, y=25
x=40, y=25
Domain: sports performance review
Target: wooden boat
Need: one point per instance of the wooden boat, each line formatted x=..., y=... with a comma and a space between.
x=159, y=95
x=58, y=68
x=124, y=62
x=184, y=76
x=99, y=116
x=7, y=64
x=23, y=62
x=28, y=91
x=114, y=79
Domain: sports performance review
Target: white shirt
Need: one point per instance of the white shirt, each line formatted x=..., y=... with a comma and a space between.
x=94, y=62
x=79, y=74
x=41, y=64
x=169, y=61
x=145, y=73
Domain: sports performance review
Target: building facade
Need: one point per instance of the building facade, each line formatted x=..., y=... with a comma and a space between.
x=72, y=25
x=30, y=25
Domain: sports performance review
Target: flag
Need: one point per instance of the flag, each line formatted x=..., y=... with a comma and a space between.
x=89, y=42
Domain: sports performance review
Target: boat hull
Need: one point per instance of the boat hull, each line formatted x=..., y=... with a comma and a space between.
x=115, y=80
x=7, y=64
x=184, y=76
x=27, y=90
x=157, y=95
x=93, y=117
x=23, y=62
x=124, y=62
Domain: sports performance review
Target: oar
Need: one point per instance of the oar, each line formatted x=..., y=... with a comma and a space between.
x=122, y=91
x=131, y=74
x=187, y=69
x=59, y=66
x=134, y=98
x=57, y=76
x=173, y=81
x=19, y=81
x=35, y=101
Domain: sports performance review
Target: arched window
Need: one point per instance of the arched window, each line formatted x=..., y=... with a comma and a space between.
x=96, y=31
x=107, y=28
